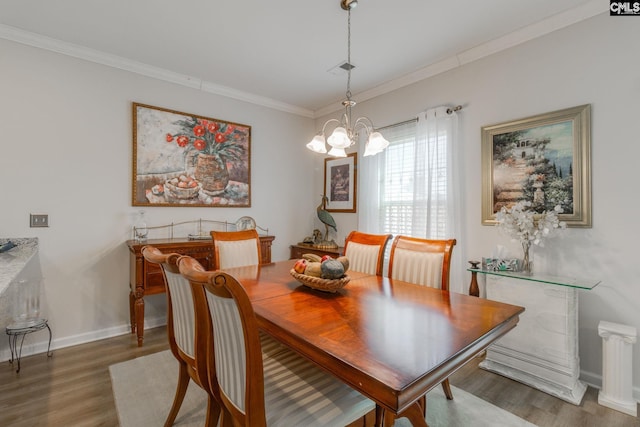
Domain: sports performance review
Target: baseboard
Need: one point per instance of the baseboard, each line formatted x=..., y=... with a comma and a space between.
x=595, y=381
x=57, y=343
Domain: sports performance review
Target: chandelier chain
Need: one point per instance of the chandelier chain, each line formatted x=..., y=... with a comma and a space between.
x=346, y=133
x=349, y=66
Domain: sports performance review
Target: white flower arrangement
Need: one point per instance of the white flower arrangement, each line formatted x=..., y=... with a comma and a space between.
x=521, y=225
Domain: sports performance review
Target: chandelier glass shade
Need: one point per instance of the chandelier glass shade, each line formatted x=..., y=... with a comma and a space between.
x=347, y=132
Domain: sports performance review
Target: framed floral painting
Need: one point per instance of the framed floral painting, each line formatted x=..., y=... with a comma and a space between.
x=181, y=159
x=340, y=183
x=544, y=160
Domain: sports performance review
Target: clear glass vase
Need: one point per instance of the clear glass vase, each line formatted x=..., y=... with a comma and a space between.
x=140, y=227
x=527, y=264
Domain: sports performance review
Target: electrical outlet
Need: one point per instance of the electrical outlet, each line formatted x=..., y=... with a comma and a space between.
x=38, y=220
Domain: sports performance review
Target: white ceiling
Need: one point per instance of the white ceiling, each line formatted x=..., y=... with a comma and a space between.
x=279, y=52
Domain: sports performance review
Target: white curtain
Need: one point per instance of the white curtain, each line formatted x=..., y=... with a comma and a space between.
x=413, y=187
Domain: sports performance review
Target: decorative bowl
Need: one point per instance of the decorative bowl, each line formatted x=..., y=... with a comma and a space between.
x=326, y=285
x=175, y=192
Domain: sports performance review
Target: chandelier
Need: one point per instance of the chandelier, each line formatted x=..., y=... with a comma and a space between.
x=347, y=131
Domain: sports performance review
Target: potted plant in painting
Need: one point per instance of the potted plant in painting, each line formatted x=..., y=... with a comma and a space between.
x=216, y=144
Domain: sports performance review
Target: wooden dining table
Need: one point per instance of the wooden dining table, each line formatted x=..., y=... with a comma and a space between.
x=392, y=341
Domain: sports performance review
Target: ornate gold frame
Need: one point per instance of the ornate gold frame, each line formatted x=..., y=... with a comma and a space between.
x=160, y=158
x=579, y=119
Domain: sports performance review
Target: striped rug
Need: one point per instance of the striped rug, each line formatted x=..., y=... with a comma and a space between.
x=143, y=389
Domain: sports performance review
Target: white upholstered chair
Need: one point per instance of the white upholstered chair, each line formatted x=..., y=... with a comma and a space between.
x=241, y=249
x=366, y=251
x=423, y=262
x=187, y=336
x=235, y=248
x=283, y=389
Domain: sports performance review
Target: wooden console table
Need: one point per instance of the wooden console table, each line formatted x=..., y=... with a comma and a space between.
x=542, y=351
x=146, y=278
x=304, y=248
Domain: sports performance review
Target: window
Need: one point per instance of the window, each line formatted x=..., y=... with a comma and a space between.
x=408, y=187
x=411, y=187
x=413, y=184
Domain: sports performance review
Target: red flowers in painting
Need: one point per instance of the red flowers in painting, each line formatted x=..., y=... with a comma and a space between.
x=199, y=144
x=210, y=137
x=198, y=130
x=182, y=141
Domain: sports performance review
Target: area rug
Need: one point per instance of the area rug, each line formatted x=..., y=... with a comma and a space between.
x=143, y=389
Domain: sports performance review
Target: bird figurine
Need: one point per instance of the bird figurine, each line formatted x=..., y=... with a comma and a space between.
x=326, y=218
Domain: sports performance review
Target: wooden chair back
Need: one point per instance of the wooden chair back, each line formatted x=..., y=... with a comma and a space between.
x=187, y=334
x=236, y=248
x=235, y=353
x=366, y=251
x=258, y=387
x=422, y=261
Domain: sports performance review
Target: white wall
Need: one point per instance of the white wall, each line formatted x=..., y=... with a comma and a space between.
x=66, y=127
x=594, y=62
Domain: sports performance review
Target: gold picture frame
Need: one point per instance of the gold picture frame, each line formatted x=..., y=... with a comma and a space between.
x=545, y=159
x=185, y=160
x=340, y=183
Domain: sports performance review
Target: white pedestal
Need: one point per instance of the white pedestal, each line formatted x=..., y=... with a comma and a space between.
x=617, y=387
x=542, y=351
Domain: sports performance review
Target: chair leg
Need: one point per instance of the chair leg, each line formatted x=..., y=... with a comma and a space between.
x=379, y=416
x=181, y=389
x=226, y=420
x=213, y=412
x=447, y=389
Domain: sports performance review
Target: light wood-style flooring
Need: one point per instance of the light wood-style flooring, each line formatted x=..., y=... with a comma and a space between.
x=73, y=388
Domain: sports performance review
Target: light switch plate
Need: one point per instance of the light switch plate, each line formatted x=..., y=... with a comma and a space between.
x=38, y=220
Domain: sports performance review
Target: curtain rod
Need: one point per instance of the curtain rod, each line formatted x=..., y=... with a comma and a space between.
x=450, y=110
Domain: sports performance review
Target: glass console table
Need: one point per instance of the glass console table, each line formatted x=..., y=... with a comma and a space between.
x=542, y=351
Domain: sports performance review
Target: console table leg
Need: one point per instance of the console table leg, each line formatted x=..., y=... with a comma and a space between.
x=139, y=318
x=132, y=311
x=474, y=289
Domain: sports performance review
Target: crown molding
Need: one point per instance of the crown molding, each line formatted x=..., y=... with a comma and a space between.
x=530, y=32
x=114, y=61
x=522, y=35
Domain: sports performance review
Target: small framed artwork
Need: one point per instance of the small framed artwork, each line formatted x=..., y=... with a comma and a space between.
x=182, y=159
x=340, y=183
x=543, y=159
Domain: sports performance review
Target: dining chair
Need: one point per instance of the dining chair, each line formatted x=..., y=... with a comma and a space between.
x=281, y=389
x=187, y=335
x=424, y=262
x=236, y=248
x=421, y=261
x=366, y=251
x=241, y=249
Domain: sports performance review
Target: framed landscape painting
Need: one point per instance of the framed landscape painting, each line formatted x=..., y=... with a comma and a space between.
x=340, y=183
x=544, y=159
x=182, y=159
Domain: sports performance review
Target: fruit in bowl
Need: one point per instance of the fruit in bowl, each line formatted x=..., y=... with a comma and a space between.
x=182, y=187
x=332, y=269
x=300, y=266
x=328, y=275
x=325, y=267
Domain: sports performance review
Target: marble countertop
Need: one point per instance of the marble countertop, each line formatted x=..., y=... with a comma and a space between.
x=15, y=259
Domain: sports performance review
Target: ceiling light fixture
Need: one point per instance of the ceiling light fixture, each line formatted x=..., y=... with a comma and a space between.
x=346, y=132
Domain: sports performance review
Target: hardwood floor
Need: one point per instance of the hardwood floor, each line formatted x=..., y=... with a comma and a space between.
x=73, y=388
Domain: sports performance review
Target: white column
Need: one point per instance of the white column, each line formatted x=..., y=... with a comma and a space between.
x=617, y=385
